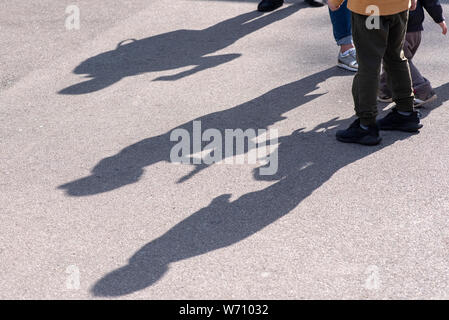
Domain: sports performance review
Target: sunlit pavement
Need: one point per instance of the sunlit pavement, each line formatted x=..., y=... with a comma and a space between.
x=91, y=205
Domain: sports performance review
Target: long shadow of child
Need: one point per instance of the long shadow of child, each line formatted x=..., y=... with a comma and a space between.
x=172, y=50
x=307, y=159
x=127, y=166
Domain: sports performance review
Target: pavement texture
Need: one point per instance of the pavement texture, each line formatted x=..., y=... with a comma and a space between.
x=91, y=207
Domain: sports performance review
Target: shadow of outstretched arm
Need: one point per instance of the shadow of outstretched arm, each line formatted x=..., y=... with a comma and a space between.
x=205, y=63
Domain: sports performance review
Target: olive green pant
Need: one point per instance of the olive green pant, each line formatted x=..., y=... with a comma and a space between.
x=385, y=42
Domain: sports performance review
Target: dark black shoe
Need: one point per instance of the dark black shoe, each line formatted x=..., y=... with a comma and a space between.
x=314, y=3
x=269, y=5
x=355, y=134
x=396, y=121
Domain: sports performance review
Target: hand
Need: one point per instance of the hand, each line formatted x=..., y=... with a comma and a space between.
x=443, y=27
x=332, y=6
x=414, y=3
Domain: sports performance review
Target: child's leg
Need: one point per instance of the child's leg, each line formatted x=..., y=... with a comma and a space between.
x=370, y=45
x=341, y=25
x=396, y=64
x=421, y=85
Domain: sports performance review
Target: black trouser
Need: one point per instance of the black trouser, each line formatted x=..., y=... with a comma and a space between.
x=372, y=46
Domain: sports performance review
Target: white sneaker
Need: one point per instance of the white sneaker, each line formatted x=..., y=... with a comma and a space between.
x=417, y=103
x=347, y=60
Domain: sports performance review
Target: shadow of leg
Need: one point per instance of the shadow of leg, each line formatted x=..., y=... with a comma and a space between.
x=205, y=63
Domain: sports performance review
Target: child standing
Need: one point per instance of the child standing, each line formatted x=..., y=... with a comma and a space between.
x=384, y=41
x=421, y=86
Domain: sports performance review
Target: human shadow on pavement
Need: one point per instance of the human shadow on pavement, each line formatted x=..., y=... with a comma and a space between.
x=172, y=50
x=307, y=159
x=127, y=166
